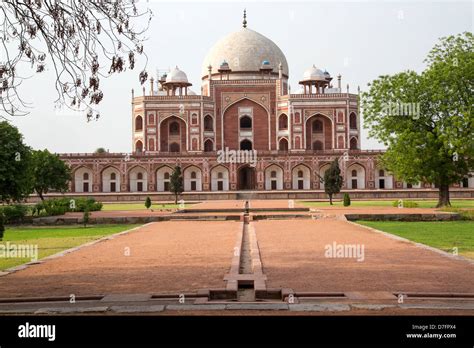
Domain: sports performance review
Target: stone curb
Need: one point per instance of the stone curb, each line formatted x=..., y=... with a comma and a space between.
x=327, y=307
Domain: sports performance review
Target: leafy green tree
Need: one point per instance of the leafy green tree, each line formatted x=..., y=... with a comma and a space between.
x=100, y=150
x=426, y=120
x=176, y=183
x=49, y=173
x=333, y=180
x=15, y=164
x=148, y=203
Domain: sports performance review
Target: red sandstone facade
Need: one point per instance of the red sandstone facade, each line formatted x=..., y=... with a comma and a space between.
x=245, y=104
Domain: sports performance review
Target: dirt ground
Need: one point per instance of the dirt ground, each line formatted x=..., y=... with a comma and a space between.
x=163, y=257
x=293, y=256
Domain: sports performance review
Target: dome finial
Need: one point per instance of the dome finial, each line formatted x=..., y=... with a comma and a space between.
x=245, y=18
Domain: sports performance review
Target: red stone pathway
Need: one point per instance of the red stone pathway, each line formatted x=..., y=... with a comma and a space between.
x=293, y=256
x=164, y=257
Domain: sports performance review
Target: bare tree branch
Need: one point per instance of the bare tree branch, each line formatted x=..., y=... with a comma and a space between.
x=83, y=41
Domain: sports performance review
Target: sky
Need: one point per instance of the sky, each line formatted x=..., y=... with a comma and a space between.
x=360, y=40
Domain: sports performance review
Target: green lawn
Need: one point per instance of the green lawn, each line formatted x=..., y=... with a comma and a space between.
x=444, y=235
x=51, y=240
x=139, y=206
x=376, y=203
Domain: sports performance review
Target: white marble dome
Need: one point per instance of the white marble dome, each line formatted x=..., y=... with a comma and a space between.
x=244, y=50
x=177, y=76
x=314, y=74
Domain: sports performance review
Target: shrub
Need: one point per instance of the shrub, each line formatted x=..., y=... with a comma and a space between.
x=406, y=204
x=347, y=200
x=14, y=213
x=148, y=203
x=86, y=217
x=58, y=206
x=89, y=203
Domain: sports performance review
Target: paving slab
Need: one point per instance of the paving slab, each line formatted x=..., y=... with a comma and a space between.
x=197, y=307
x=71, y=310
x=137, y=309
x=327, y=307
x=126, y=298
x=257, y=306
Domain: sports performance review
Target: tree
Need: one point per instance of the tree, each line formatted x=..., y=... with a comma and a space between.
x=49, y=173
x=426, y=120
x=80, y=41
x=15, y=165
x=347, y=200
x=333, y=179
x=176, y=183
x=148, y=203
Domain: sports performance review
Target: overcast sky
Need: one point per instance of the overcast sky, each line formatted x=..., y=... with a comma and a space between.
x=360, y=40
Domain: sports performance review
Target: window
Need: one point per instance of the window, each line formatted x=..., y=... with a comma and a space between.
x=208, y=146
x=381, y=172
x=317, y=145
x=246, y=145
x=273, y=174
x=113, y=176
x=220, y=175
x=193, y=175
x=174, y=128
x=138, y=123
x=353, y=144
x=174, y=147
x=354, y=172
x=283, y=145
x=353, y=121
x=381, y=183
x=113, y=187
x=300, y=173
x=354, y=183
x=140, y=176
x=86, y=176
x=317, y=126
x=167, y=176
x=85, y=187
x=139, y=186
x=283, y=122
x=139, y=146
x=246, y=122
x=465, y=183
x=208, y=123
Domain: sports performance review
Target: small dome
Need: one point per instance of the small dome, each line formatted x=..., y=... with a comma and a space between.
x=314, y=74
x=177, y=76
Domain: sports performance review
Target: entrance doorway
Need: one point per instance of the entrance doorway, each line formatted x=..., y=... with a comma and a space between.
x=246, y=178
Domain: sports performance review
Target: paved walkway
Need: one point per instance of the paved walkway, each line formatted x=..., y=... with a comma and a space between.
x=293, y=256
x=164, y=257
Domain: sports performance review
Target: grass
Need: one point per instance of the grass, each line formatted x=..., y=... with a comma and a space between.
x=139, y=206
x=444, y=235
x=455, y=203
x=51, y=240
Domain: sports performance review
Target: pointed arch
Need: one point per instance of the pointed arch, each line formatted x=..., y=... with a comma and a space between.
x=110, y=176
x=273, y=177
